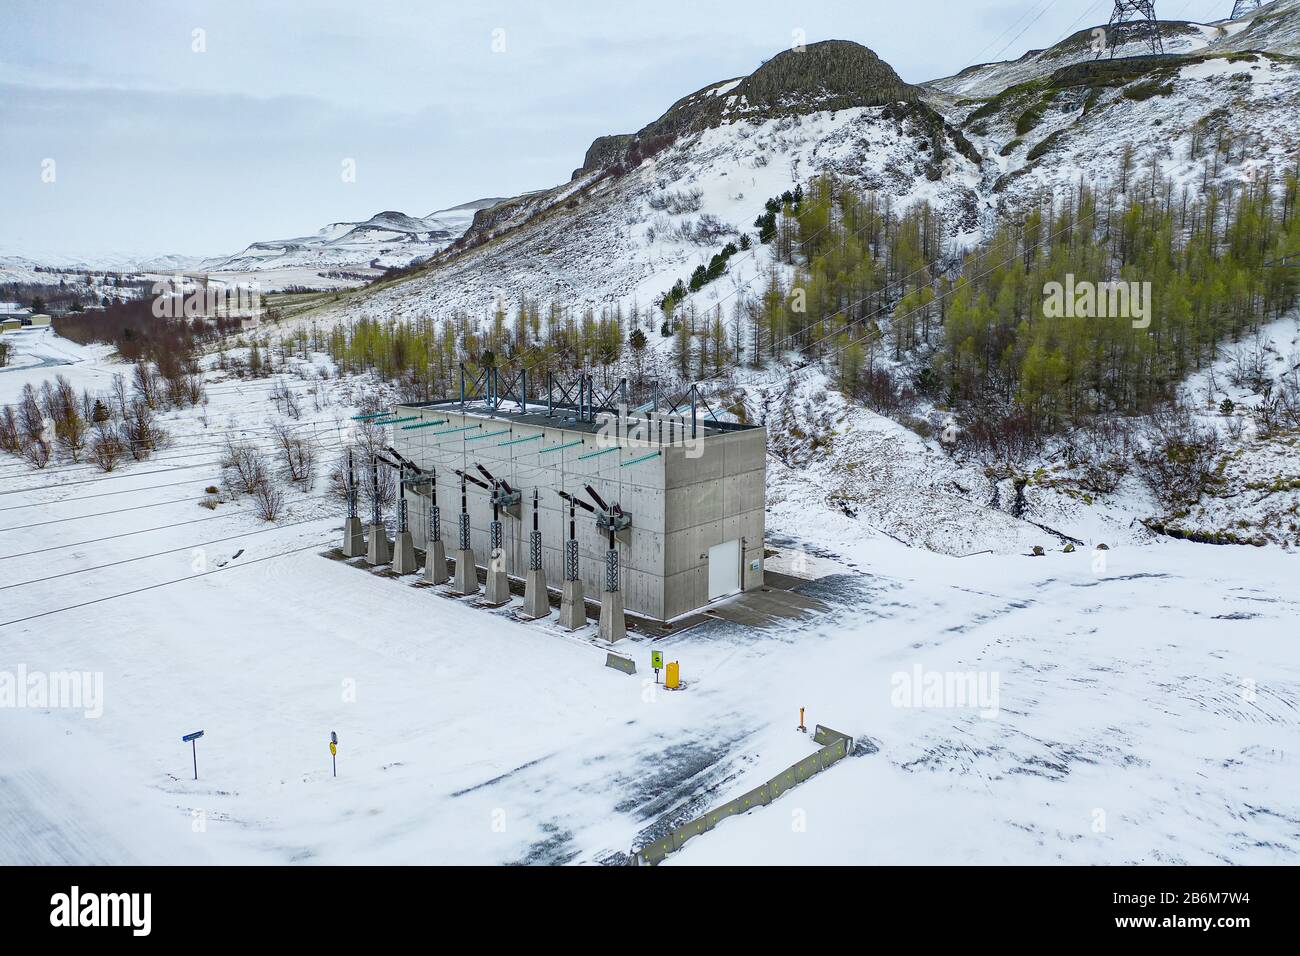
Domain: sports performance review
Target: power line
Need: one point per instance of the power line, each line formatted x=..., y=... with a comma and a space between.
x=323, y=446
x=158, y=554
x=16, y=468
x=161, y=584
x=1050, y=4
x=103, y=494
x=103, y=514
x=128, y=534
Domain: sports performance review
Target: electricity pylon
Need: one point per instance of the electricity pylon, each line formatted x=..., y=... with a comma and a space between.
x=1134, y=21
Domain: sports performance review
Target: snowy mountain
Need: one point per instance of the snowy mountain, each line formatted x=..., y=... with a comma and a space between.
x=349, y=250
x=1218, y=107
x=644, y=209
x=386, y=239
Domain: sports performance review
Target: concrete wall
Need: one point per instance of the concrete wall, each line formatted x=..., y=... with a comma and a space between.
x=717, y=497
x=680, y=506
x=639, y=488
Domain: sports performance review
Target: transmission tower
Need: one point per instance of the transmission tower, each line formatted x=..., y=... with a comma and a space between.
x=1134, y=21
x=1242, y=7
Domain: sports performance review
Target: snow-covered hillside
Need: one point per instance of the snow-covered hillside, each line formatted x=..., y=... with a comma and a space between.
x=384, y=240
x=995, y=137
x=645, y=210
x=1107, y=738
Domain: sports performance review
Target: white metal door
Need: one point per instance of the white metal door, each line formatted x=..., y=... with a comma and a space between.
x=724, y=569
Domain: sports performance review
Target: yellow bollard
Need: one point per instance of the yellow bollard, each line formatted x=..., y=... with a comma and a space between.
x=671, y=679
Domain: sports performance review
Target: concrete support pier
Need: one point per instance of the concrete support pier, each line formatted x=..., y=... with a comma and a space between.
x=435, y=563
x=612, y=627
x=573, y=606
x=404, y=554
x=378, y=549
x=497, y=591
x=536, y=603
x=466, y=573
x=354, y=538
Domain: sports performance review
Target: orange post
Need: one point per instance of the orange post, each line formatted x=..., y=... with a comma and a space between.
x=802, y=728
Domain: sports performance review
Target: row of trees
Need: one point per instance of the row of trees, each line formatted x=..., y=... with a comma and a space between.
x=870, y=292
x=101, y=427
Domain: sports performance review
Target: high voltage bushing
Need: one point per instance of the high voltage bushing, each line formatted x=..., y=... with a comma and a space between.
x=536, y=601
x=1133, y=21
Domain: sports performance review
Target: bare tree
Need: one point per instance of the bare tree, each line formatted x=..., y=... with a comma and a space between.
x=146, y=382
x=10, y=435
x=268, y=500
x=299, y=453
x=121, y=400
x=246, y=467
x=106, y=446
x=141, y=433
x=37, y=453
x=286, y=400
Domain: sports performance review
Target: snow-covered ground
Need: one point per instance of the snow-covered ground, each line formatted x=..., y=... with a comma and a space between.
x=1140, y=703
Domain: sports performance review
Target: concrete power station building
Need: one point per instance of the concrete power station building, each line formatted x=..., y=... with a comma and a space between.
x=692, y=491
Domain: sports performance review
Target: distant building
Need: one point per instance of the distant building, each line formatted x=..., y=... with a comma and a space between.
x=14, y=310
x=37, y=320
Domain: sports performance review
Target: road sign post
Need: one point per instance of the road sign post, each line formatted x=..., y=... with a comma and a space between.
x=334, y=751
x=194, y=750
x=657, y=662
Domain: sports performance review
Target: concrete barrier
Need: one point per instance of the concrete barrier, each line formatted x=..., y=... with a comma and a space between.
x=620, y=663
x=824, y=735
x=835, y=747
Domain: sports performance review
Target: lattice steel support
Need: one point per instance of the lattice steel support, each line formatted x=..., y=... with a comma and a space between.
x=435, y=523
x=571, y=560
x=534, y=550
x=1133, y=21
x=464, y=531
x=611, y=570
x=1243, y=7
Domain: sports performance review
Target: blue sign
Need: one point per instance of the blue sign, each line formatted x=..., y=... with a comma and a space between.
x=194, y=736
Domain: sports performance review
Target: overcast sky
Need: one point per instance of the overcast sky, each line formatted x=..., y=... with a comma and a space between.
x=168, y=140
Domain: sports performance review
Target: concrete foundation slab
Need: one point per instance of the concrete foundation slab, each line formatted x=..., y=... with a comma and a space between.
x=404, y=554
x=612, y=626
x=354, y=538
x=536, y=602
x=573, y=606
x=466, y=574
x=435, y=563
x=378, y=548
